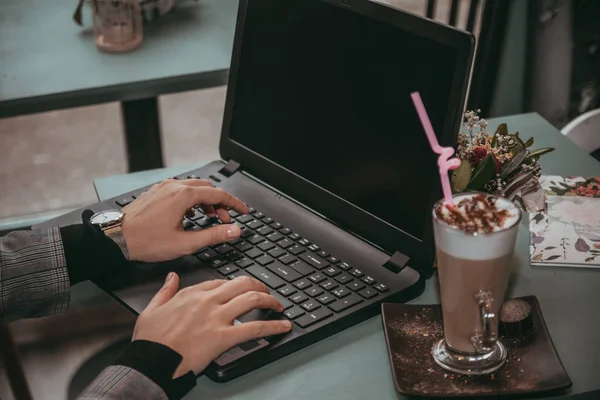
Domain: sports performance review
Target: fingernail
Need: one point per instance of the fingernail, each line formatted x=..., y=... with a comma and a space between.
x=233, y=231
x=286, y=324
x=169, y=277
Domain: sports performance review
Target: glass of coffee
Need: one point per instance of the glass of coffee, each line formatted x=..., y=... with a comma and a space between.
x=475, y=240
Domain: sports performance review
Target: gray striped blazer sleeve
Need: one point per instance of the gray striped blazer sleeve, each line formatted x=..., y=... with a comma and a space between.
x=122, y=383
x=34, y=281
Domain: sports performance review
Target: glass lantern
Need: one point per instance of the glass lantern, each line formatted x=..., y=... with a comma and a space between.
x=117, y=25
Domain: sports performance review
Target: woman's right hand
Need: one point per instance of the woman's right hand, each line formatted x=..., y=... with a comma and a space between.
x=197, y=322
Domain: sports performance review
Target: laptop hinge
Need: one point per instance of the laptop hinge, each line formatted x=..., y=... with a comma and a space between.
x=230, y=168
x=397, y=262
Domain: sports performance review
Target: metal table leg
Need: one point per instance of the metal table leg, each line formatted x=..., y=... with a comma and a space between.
x=142, y=134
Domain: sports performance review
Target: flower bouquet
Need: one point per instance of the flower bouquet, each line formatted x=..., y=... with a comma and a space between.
x=502, y=164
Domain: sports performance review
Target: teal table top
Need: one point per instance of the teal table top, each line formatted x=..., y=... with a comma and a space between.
x=354, y=363
x=48, y=62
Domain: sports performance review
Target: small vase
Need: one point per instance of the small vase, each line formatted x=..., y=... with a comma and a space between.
x=117, y=25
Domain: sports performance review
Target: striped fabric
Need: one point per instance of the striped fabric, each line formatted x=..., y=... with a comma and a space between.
x=34, y=282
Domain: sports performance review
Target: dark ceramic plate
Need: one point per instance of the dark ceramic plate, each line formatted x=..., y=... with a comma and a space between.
x=411, y=330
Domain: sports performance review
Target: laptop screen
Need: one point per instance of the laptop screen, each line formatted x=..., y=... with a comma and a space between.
x=325, y=93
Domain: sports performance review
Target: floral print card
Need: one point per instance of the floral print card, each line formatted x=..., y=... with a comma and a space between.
x=568, y=232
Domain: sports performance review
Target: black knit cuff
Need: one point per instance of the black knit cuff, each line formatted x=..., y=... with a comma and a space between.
x=159, y=363
x=88, y=251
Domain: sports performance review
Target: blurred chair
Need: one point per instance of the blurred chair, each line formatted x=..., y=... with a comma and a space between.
x=584, y=131
x=491, y=32
x=12, y=365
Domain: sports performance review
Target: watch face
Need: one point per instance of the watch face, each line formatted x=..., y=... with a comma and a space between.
x=105, y=218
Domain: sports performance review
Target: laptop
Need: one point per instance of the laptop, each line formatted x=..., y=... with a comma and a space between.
x=321, y=140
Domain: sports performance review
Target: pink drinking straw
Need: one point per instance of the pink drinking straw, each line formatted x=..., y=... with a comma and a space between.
x=445, y=163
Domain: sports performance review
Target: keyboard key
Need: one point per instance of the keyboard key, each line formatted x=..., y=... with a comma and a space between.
x=304, y=242
x=203, y=222
x=124, y=201
x=207, y=254
x=302, y=284
x=294, y=236
x=313, y=317
x=286, y=231
x=245, y=218
x=285, y=243
x=275, y=237
x=255, y=239
x=283, y=271
x=195, y=214
x=288, y=259
x=236, y=275
x=235, y=242
x=326, y=298
x=267, y=220
x=293, y=313
x=255, y=224
x=246, y=232
x=310, y=305
x=295, y=249
x=233, y=213
x=251, y=210
x=244, y=262
x=287, y=290
x=187, y=224
x=314, y=260
x=328, y=285
x=318, y=277
x=341, y=292
x=276, y=252
x=323, y=253
x=253, y=253
x=266, y=277
x=381, y=287
x=356, y=285
x=333, y=260
x=348, y=302
x=217, y=262
x=264, y=230
x=243, y=246
x=284, y=302
x=265, y=246
x=259, y=215
x=276, y=225
x=234, y=255
x=299, y=298
x=264, y=260
x=332, y=271
x=345, y=266
x=227, y=269
x=357, y=273
x=343, y=278
x=368, y=280
x=368, y=293
x=313, y=291
x=314, y=247
x=223, y=248
x=302, y=268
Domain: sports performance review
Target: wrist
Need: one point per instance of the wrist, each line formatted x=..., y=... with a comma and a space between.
x=110, y=223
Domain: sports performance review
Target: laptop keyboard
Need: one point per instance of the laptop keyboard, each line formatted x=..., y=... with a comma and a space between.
x=312, y=284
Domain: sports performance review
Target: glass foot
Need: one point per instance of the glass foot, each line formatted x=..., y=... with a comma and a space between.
x=469, y=364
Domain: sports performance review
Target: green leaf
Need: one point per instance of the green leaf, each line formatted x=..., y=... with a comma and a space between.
x=540, y=152
x=483, y=172
x=461, y=176
x=513, y=164
x=502, y=130
x=529, y=143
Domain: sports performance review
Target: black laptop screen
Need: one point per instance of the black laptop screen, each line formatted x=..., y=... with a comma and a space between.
x=325, y=93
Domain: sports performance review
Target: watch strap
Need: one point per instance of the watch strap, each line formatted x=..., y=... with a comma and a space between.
x=115, y=233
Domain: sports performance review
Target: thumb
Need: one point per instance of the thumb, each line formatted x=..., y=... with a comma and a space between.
x=165, y=293
x=211, y=236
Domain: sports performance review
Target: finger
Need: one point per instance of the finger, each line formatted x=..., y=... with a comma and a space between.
x=238, y=286
x=195, y=240
x=249, y=301
x=213, y=196
x=196, y=182
x=257, y=329
x=223, y=214
x=210, y=285
x=209, y=210
x=166, y=292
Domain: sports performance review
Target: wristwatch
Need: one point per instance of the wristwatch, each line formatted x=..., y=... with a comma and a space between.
x=109, y=222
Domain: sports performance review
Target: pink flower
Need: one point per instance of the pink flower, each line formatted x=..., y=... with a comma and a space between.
x=479, y=153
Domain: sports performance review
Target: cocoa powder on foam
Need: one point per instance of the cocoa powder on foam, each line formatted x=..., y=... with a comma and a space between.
x=478, y=213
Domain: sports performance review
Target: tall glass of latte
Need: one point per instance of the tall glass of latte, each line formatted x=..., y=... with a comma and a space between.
x=475, y=240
